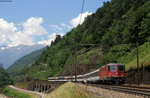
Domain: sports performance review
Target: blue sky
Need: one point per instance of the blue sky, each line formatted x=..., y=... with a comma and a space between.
x=38, y=21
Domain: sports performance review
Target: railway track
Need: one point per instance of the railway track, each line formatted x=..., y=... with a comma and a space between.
x=140, y=91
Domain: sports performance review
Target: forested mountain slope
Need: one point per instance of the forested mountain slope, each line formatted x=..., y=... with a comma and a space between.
x=24, y=62
x=116, y=27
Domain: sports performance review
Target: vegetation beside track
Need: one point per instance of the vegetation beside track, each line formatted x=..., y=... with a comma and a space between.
x=17, y=94
x=22, y=85
x=69, y=90
x=130, y=58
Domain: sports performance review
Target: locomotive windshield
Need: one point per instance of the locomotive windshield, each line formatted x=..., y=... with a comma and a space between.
x=121, y=68
x=112, y=68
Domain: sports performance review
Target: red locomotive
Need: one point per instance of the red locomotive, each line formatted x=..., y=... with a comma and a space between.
x=112, y=73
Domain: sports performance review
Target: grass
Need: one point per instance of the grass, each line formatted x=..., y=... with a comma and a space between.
x=69, y=90
x=85, y=58
x=17, y=94
x=41, y=74
x=22, y=85
x=131, y=60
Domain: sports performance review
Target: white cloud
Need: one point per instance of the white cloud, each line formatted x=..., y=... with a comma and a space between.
x=61, y=34
x=75, y=21
x=11, y=36
x=65, y=26
x=6, y=29
x=56, y=27
x=20, y=38
x=26, y=32
x=33, y=26
x=44, y=42
x=3, y=48
x=51, y=37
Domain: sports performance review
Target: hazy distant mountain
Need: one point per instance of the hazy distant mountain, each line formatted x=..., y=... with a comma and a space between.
x=1, y=65
x=25, y=61
x=8, y=55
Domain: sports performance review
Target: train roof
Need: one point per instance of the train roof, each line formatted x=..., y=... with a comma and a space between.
x=91, y=72
x=114, y=64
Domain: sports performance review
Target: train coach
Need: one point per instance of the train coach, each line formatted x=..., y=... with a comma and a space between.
x=111, y=73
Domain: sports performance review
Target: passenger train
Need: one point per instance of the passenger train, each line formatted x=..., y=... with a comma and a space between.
x=112, y=73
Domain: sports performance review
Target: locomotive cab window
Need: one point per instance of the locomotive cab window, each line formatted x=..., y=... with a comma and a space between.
x=121, y=68
x=112, y=68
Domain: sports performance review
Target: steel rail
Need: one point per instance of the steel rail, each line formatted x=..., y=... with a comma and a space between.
x=140, y=91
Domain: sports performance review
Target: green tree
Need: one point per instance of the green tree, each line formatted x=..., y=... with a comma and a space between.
x=4, y=78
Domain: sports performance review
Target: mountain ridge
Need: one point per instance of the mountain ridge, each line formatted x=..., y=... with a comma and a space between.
x=9, y=55
x=25, y=61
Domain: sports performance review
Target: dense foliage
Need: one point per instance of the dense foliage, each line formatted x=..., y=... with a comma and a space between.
x=70, y=90
x=117, y=26
x=4, y=78
x=12, y=93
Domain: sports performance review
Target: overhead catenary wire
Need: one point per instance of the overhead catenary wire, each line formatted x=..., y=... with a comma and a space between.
x=76, y=46
x=81, y=11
